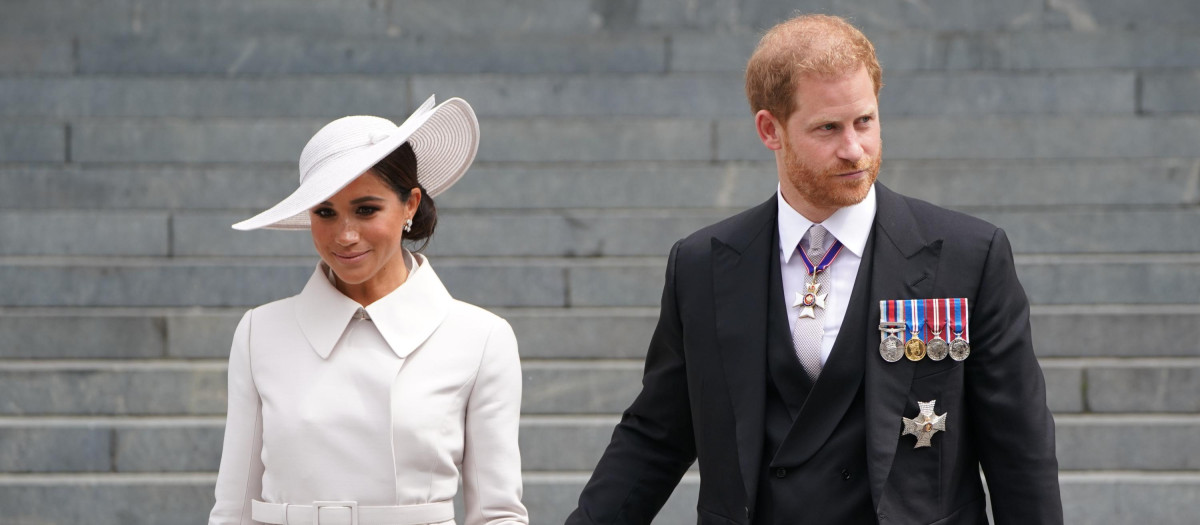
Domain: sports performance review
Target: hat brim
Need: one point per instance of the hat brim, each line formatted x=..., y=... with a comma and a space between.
x=444, y=138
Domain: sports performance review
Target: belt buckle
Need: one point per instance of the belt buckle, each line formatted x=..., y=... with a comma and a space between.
x=352, y=505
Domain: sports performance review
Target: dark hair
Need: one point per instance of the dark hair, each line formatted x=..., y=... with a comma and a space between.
x=399, y=171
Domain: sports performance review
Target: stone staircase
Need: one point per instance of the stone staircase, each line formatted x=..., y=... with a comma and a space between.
x=134, y=132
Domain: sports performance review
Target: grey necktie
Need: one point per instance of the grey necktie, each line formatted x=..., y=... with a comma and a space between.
x=809, y=331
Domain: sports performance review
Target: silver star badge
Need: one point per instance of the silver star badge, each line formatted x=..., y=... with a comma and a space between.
x=925, y=425
x=809, y=299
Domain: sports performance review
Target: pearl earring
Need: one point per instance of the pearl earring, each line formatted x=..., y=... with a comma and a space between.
x=408, y=225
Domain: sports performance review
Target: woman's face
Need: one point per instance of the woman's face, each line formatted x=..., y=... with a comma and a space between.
x=357, y=232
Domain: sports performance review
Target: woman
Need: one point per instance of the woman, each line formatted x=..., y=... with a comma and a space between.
x=362, y=399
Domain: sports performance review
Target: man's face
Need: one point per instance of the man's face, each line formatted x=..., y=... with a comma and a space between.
x=831, y=144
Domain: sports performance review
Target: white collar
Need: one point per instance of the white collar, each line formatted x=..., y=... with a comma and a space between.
x=406, y=317
x=851, y=225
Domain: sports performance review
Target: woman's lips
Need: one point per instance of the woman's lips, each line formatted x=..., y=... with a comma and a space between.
x=350, y=257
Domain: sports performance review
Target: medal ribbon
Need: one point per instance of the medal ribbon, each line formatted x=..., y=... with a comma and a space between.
x=960, y=318
x=931, y=305
x=828, y=260
x=914, y=311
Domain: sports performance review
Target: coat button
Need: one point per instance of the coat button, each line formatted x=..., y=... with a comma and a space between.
x=781, y=473
x=846, y=474
x=882, y=517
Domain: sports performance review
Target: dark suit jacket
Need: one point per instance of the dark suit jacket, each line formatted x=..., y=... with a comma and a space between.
x=703, y=391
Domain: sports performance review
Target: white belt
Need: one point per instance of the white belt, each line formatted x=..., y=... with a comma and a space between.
x=350, y=513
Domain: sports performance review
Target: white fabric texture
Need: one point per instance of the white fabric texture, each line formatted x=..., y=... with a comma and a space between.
x=851, y=225
x=385, y=411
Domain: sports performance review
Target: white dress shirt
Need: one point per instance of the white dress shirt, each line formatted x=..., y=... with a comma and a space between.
x=852, y=226
x=386, y=408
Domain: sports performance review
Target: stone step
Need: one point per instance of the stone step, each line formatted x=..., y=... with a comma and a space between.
x=314, y=18
x=599, y=139
x=1100, y=498
x=1025, y=49
x=147, y=445
x=156, y=388
x=576, y=333
x=675, y=95
x=1059, y=184
x=631, y=52
x=576, y=233
x=526, y=282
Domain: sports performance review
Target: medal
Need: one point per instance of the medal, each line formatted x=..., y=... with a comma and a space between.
x=914, y=349
x=812, y=298
x=891, y=348
x=925, y=425
x=937, y=348
x=960, y=348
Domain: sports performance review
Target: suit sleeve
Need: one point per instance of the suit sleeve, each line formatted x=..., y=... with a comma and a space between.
x=1006, y=392
x=653, y=445
x=240, y=477
x=491, y=469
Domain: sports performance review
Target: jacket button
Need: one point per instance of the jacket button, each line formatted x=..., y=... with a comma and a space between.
x=846, y=474
x=781, y=473
x=882, y=516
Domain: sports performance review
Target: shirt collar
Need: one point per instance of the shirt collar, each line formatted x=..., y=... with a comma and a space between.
x=851, y=225
x=406, y=317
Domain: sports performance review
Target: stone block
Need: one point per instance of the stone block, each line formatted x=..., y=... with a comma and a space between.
x=36, y=448
x=591, y=140
x=146, y=187
x=329, y=97
x=25, y=141
x=201, y=335
x=550, y=498
x=1064, y=386
x=83, y=233
x=624, y=285
x=178, y=141
x=1166, y=386
x=686, y=14
x=558, y=444
x=471, y=19
x=1095, y=231
x=412, y=54
x=112, y=390
x=1127, y=442
x=1146, y=281
x=1120, y=499
x=1170, y=93
x=103, y=500
x=1123, y=333
x=1048, y=182
x=201, y=285
x=66, y=18
x=580, y=388
x=688, y=95
x=1157, y=47
x=38, y=56
x=569, y=335
x=993, y=137
x=653, y=185
x=1008, y=93
x=80, y=337
x=942, y=15
x=211, y=234
x=706, y=52
x=1095, y=14
x=186, y=448
x=520, y=285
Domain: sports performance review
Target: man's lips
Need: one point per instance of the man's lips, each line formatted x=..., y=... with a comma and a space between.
x=852, y=173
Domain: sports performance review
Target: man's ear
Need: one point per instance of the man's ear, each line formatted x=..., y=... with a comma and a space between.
x=770, y=130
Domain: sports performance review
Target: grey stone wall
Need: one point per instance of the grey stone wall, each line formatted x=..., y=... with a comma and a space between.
x=133, y=132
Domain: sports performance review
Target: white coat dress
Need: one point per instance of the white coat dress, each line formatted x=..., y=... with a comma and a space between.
x=386, y=409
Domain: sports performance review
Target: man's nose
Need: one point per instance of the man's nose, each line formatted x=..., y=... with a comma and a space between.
x=850, y=148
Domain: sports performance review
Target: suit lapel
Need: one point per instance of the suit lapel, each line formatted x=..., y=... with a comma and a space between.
x=904, y=267
x=740, y=266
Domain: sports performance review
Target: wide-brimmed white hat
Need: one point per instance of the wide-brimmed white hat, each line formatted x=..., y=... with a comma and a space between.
x=444, y=138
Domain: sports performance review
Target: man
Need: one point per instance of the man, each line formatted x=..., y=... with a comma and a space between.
x=773, y=376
